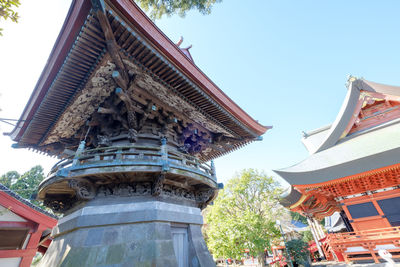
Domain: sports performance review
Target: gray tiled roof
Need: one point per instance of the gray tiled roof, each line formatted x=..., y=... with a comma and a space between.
x=25, y=201
x=354, y=155
x=335, y=156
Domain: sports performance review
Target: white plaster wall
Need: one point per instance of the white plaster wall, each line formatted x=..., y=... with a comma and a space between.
x=7, y=215
x=10, y=262
x=356, y=249
x=387, y=246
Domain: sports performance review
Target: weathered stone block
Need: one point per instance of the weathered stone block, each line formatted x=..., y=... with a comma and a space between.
x=94, y=237
x=77, y=257
x=91, y=240
x=115, y=254
x=111, y=236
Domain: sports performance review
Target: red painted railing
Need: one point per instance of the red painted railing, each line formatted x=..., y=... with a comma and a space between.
x=364, y=243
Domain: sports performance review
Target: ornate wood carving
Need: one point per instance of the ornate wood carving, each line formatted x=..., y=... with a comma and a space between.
x=203, y=197
x=157, y=187
x=121, y=116
x=84, y=190
x=59, y=204
x=372, y=110
x=161, y=187
x=192, y=140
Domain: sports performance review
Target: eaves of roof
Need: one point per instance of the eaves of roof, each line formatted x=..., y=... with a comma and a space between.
x=348, y=108
x=75, y=20
x=337, y=156
x=24, y=208
x=377, y=149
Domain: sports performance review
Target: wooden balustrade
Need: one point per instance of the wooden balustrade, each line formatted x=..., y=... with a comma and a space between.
x=135, y=153
x=362, y=245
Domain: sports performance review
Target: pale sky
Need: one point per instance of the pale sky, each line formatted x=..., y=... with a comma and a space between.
x=285, y=62
x=24, y=49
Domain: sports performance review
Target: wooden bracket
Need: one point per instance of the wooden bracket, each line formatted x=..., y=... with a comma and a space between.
x=131, y=109
x=121, y=75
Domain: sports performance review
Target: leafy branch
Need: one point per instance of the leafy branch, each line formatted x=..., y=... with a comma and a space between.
x=7, y=11
x=158, y=8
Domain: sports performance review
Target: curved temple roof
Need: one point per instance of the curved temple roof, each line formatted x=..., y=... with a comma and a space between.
x=335, y=153
x=27, y=209
x=47, y=103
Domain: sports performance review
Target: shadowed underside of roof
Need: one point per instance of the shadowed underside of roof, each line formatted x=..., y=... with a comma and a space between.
x=81, y=47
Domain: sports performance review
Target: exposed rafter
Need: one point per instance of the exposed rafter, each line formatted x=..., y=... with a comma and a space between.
x=120, y=75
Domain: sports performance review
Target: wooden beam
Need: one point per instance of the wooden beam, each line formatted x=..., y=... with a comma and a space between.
x=29, y=225
x=146, y=114
x=15, y=253
x=124, y=97
x=112, y=46
x=32, y=244
x=121, y=82
x=102, y=110
x=25, y=211
x=132, y=119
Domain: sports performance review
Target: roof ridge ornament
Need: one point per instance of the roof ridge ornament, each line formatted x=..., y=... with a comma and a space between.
x=185, y=50
x=179, y=42
x=350, y=79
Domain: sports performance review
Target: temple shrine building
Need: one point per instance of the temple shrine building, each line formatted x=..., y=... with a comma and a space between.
x=136, y=125
x=24, y=229
x=353, y=169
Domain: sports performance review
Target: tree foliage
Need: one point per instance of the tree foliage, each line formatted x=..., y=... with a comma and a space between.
x=298, y=217
x=243, y=216
x=9, y=178
x=158, y=8
x=26, y=184
x=298, y=251
x=7, y=10
x=307, y=236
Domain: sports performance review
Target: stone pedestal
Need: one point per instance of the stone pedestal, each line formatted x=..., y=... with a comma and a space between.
x=129, y=231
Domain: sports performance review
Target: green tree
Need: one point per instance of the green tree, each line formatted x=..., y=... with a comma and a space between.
x=24, y=185
x=243, y=216
x=158, y=8
x=298, y=217
x=298, y=251
x=27, y=183
x=7, y=10
x=307, y=236
x=9, y=178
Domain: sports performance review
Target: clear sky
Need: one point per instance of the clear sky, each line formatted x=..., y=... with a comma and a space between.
x=284, y=62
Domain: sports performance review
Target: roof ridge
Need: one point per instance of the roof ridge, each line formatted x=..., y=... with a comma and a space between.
x=11, y=193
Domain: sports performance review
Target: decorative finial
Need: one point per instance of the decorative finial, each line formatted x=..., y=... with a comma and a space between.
x=180, y=41
x=350, y=79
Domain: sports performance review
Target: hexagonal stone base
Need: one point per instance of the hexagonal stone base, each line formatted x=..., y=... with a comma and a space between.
x=128, y=233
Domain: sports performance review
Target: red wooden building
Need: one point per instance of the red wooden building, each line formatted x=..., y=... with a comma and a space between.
x=354, y=169
x=24, y=229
